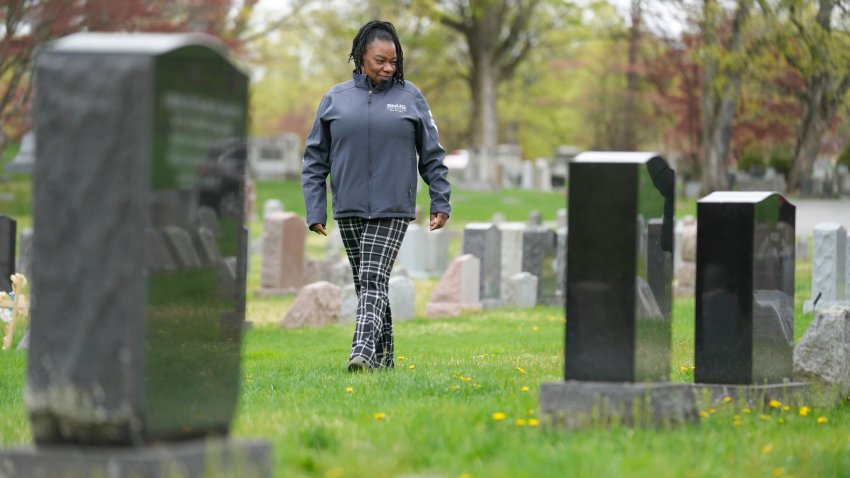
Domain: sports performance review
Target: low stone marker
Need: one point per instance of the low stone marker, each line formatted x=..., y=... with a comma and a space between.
x=402, y=294
x=745, y=295
x=134, y=371
x=316, y=304
x=283, y=254
x=618, y=346
x=520, y=290
x=823, y=353
x=457, y=290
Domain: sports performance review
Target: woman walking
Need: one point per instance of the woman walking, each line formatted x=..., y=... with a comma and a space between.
x=375, y=136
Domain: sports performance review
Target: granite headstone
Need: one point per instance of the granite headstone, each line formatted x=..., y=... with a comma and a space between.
x=744, y=288
x=121, y=354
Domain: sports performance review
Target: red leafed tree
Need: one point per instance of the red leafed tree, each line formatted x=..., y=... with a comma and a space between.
x=25, y=25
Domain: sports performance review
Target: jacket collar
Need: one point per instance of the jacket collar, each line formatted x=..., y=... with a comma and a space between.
x=362, y=81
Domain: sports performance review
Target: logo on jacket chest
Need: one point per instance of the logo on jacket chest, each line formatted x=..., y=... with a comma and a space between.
x=398, y=108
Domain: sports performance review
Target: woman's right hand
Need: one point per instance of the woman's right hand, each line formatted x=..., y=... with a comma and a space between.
x=319, y=229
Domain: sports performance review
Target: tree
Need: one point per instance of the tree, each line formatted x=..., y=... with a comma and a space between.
x=29, y=24
x=820, y=54
x=498, y=35
x=723, y=66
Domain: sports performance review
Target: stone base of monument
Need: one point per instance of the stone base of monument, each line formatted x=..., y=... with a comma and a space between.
x=578, y=404
x=215, y=457
x=809, y=306
x=791, y=393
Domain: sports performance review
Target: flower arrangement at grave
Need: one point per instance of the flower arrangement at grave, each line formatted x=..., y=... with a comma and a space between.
x=13, y=305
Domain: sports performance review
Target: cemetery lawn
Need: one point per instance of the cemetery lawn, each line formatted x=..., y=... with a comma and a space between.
x=462, y=400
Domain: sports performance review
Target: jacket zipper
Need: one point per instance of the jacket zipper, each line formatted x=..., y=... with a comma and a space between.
x=369, y=154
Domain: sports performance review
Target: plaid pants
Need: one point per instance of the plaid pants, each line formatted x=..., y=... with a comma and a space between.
x=372, y=246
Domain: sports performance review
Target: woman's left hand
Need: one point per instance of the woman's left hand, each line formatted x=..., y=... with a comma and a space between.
x=438, y=220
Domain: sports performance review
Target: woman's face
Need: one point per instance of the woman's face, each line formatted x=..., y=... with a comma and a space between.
x=379, y=61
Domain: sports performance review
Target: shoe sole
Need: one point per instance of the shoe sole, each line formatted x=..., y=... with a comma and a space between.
x=358, y=364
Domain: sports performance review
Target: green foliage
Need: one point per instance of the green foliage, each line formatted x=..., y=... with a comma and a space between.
x=844, y=157
x=782, y=161
x=750, y=160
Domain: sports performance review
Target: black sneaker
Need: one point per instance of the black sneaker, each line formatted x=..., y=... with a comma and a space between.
x=358, y=364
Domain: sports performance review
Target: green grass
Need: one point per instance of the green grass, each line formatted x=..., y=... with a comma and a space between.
x=438, y=416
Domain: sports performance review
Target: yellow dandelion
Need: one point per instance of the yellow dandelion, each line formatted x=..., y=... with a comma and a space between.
x=411, y=366
x=712, y=411
x=454, y=387
x=767, y=449
x=498, y=416
x=778, y=471
x=765, y=417
x=747, y=410
x=402, y=358
x=520, y=422
x=349, y=390
x=535, y=328
x=703, y=414
x=532, y=422
x=463, y=379
x=524, y=389
x=775, y=404
x=464, y=475
x=780, y=421
x=822, y=419
x=684, y=369
x=804, y=411
x=727, y=399
x=786, y=408
x=521, y=370
x=380, y=416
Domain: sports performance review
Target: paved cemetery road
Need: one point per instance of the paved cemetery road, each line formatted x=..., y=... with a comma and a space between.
x=811, y=212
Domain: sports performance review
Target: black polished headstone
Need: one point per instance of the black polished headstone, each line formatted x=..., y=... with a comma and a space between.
x=616, y=329
x=8, y=235
x=142, y=130
x=744, y=288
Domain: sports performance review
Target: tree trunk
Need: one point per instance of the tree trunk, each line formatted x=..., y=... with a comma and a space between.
x=485, y=126
x=629, y=141
x=817, y=112
x=824, y=93
x=719, y=103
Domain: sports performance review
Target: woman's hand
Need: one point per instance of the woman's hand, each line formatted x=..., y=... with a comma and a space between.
x=438, y=220
x=319, y=229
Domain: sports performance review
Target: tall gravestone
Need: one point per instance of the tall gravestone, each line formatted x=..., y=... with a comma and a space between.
x=618, y=340
x=744, y=289
x=829, y=267
x=8, y=236
x=141, y=131
x=484, y=241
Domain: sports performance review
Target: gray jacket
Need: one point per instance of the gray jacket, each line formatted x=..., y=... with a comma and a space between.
x=368, y=140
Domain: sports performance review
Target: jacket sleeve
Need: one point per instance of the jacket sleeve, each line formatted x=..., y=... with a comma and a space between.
x=431, y=154
x=315, y=168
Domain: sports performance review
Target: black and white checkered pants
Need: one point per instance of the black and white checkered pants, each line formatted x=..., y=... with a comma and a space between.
x=372, y=246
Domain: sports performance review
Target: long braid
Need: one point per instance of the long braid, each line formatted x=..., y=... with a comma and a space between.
x=377, y=30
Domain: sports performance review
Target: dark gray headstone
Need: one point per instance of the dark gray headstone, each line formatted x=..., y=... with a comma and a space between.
x=8, y=236
x=744, y=288
x=538, y=258
x=659, y=267
x=484, y=241
x=615, y=332
x=142, y=130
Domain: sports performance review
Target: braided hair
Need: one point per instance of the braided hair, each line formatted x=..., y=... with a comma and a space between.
x=377, y=30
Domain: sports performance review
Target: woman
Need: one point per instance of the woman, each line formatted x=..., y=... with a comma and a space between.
x=367, y=135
